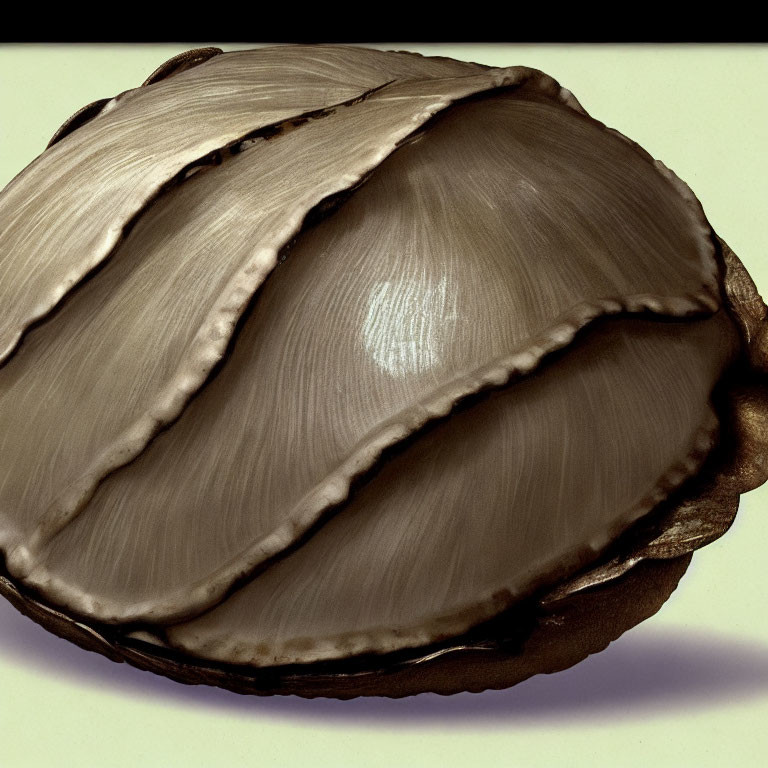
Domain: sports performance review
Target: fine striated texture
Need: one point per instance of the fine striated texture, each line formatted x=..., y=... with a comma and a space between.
x=362, y=353
x=66, y=211
x=172, y=295
x=412, y=278
x=410, y=559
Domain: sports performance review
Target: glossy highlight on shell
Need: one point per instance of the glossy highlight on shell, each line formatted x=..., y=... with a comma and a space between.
x=338, y=372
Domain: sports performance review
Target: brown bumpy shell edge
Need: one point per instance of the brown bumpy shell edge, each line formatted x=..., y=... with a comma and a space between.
x=548, y=632
x=180, y=63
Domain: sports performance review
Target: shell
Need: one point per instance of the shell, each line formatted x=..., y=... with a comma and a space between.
x=343, y=372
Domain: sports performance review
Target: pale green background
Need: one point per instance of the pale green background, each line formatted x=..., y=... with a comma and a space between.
x=687, y=688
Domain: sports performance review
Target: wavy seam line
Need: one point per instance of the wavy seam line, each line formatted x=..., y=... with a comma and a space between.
x=22, y=560
x=334, y=489
x=461, y=619
x=10, y=340
x=210, y=343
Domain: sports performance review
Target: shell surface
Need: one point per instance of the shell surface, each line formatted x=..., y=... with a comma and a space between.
x=359, y=350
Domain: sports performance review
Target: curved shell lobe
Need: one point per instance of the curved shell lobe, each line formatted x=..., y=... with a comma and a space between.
x=58, y=224
x=440, y=539
x=466, y=252
x=184, y=246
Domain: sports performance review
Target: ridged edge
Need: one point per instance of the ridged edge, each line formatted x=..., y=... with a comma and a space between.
x=334, y=489
x=215, y=335
x=484, y=607
x=173, y=66
x=763, y=328
x=609, y=607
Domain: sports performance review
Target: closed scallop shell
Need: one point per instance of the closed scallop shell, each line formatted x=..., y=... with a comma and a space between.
x=324, y=357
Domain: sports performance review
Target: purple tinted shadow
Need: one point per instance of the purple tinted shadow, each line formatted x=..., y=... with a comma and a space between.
x=646, y=672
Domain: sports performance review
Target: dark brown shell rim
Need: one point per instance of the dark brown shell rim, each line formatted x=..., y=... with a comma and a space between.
x=173, y=66
x=547, y=632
